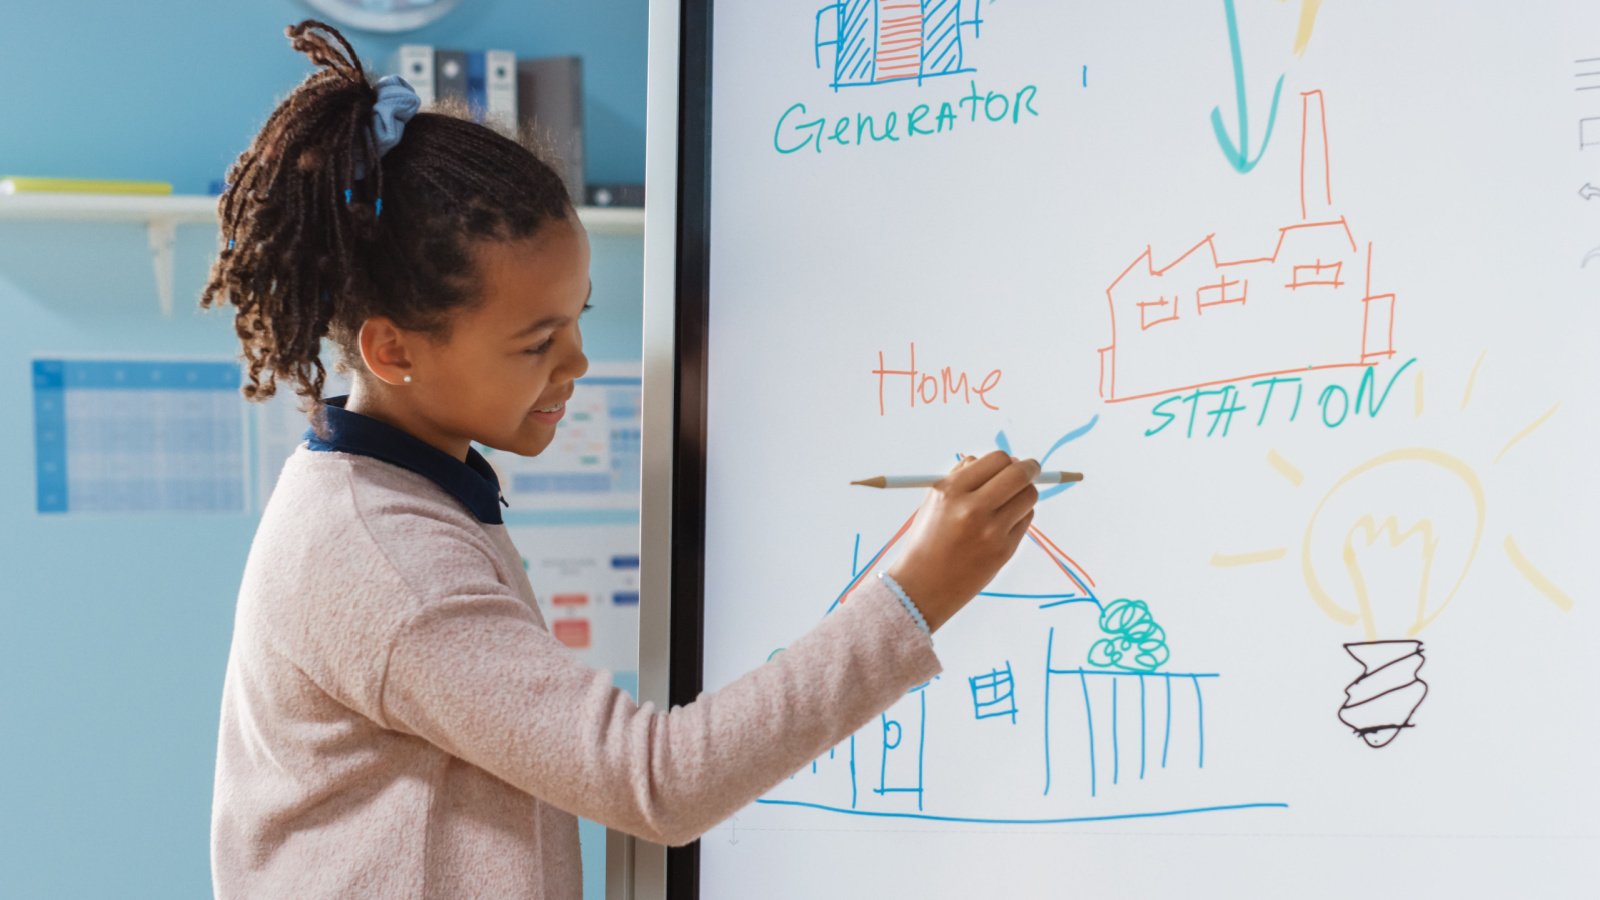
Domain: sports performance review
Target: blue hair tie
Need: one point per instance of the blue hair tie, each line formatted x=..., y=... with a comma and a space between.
x=397, y=102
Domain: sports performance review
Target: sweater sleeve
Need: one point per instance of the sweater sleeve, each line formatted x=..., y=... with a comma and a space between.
x=478, y=677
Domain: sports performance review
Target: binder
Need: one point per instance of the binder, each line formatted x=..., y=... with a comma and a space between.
x=450, y=76
x=501, y=88
x=414, y=63
x=550, y=103
x=492, y=89
x=623, y=194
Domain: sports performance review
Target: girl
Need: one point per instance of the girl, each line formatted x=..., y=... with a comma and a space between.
x=396, y=720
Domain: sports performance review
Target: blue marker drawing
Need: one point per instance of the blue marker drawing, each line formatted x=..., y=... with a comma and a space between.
x=1049, y=648
x=1059, y=758
x=1166, y=735
x=1239, y=155
x=1066, y=820
x=852, y=771
x=1116, y=752
x=994, y=694
x=894, y=727
x=1004, y=443
x=886, y=41
x=1088, y=713
x=1142, y=721
x=1113, y=725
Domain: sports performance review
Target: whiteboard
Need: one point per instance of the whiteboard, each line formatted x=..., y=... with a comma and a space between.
x=1307, y=293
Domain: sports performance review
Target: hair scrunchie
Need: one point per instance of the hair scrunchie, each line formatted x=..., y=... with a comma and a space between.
x=397, y=103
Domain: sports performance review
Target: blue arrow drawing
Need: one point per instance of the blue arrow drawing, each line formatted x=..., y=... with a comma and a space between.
x=1239, y=156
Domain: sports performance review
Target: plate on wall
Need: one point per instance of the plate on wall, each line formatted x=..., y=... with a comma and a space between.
x=384, y=15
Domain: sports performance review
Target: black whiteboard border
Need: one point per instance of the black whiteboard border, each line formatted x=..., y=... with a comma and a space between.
x=692, y=298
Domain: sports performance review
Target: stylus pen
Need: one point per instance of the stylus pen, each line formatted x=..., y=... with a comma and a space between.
x=922, y=481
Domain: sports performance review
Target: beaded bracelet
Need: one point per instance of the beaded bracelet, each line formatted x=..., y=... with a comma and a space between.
x=916, y=614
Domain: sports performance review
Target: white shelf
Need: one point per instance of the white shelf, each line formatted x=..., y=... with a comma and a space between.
x=174, y=208
x=612, y=220
x=161, y=216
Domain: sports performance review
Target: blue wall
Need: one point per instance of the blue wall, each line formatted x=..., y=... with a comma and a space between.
x=115, y=628
x=174, y=90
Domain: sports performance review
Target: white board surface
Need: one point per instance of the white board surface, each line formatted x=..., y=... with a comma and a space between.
x=1328, y=370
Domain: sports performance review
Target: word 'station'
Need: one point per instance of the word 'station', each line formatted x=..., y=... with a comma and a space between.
x=941, y=388
x=1277, y=398
x=799, y=129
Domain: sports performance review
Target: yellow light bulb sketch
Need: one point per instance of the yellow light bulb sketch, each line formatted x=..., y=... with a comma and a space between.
x=1369, y=530
x=1382, y=700
x=1308, y=23
x=1370, y=511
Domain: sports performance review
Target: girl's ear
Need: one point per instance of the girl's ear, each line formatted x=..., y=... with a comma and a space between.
x=384, y=350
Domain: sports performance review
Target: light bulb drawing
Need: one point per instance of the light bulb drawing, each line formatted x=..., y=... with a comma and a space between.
x=1382, y=700
x=1388, y=548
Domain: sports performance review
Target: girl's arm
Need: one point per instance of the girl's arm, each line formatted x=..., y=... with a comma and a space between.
x=477, y=676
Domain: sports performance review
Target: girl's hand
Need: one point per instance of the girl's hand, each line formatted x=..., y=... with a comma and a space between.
x=966, y=529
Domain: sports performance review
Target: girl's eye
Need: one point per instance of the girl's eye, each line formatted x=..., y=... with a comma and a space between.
x=586, y=308
x=542, y=347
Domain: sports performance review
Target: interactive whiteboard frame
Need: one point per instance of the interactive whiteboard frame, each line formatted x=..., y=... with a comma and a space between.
x=677, y=255
x=672, y=504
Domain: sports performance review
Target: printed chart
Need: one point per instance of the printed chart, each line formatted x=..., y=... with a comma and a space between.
x=138, y=436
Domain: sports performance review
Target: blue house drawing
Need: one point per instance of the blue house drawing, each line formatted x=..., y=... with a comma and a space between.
x=884, y=41
x=1026, y=726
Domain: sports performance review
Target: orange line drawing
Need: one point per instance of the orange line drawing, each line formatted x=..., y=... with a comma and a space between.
x=1054, y=553
x=906, y=526
x=1314, y=317
x=899, y=42
x=1040, y=536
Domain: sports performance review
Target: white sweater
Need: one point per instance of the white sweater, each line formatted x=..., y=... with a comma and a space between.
x=397, y=721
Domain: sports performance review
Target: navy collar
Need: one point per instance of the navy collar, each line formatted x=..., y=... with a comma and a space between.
x=472, y=482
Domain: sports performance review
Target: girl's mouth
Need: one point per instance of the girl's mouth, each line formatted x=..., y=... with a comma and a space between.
x=549, y=415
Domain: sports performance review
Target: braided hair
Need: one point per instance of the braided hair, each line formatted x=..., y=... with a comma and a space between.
x=310, y=250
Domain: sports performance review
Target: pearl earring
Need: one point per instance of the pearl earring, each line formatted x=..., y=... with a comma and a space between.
x=406, y=379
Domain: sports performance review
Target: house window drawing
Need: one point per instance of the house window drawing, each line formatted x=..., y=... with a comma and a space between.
x=883, y=41
x=1154, y=312
x=1317, y=273
x=1324, y=315
x=1092, y=713
x=1226, y=290
x=994, y=694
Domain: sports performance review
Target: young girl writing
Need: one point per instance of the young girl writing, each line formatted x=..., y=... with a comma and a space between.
x=396, y=719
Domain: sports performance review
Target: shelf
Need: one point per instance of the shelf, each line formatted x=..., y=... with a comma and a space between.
x=177, y=209
x=615, y=221
x=162, y=215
